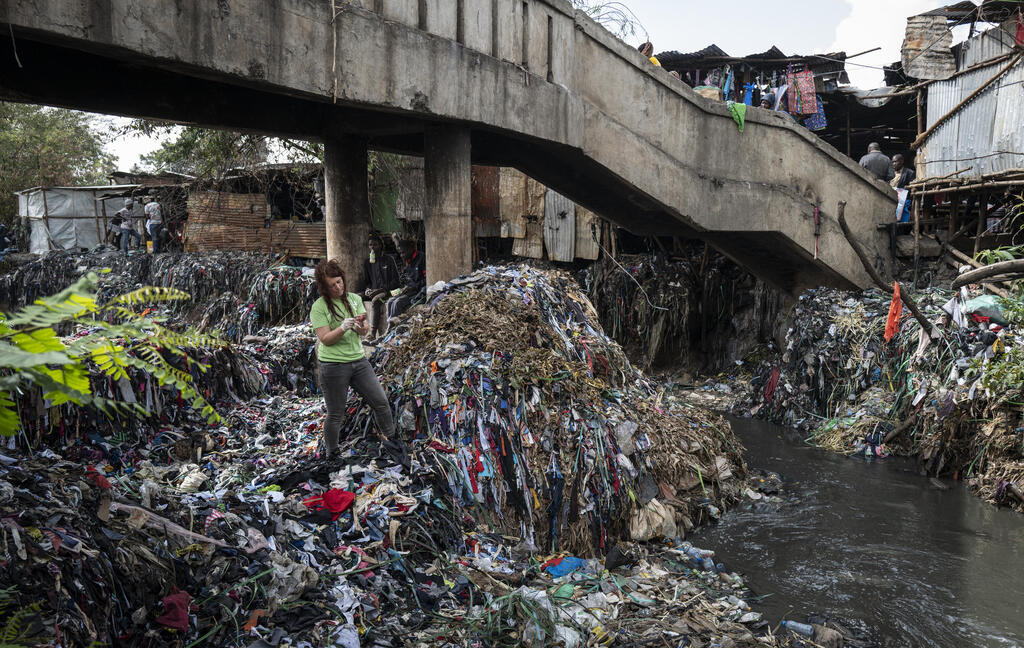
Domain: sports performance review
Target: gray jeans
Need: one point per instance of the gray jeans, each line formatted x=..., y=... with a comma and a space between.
x=335, y=379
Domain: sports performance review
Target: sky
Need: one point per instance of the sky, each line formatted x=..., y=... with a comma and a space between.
x=742, y=27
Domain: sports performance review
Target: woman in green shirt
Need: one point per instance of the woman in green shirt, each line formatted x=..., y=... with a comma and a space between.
x=338, y=318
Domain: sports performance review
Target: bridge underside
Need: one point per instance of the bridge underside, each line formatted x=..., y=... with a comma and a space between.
x=55, y=69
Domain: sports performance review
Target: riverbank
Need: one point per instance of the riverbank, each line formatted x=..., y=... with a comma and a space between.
x=954, y=403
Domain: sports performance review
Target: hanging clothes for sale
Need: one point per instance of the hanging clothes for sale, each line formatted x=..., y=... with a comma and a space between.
x=817, y=121
x=748, y=93
x=801, y=95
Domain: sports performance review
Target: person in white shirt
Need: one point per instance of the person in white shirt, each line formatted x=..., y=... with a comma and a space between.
x=127, y=228
x=154, y=223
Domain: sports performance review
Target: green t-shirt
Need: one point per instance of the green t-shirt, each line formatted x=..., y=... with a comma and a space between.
x=349, y=348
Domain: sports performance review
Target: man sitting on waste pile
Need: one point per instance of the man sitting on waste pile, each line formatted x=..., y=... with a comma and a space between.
x=381, y=278
x=414, y=280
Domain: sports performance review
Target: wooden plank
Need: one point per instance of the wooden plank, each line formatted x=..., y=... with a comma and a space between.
x=559, y=227
x=588, y=231
x=485, y=199
x=512, y=202
x=532, y=244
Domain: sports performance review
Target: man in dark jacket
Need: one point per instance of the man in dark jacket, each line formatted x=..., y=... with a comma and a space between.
x=904, y=175
x=381, y=278
x=414, y=279
x=877, y=162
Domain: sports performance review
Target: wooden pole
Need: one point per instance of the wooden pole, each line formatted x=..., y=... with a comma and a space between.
x=941, y=120
x=849, y=149
x=101, y=234
x=980, y=230
x=917, y=237
x=920, y=115
x=900, y=429
x=991, y=270
x=870, y=269
x=46, y=221
x=954, y=206
x=972, y=187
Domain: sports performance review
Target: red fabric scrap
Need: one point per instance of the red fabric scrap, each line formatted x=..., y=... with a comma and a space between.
x=1020, y=30
x=176, y=606
x=97, y=478
x=440, y=447
x=335, y=500
x=773, y=383
x=892, y=324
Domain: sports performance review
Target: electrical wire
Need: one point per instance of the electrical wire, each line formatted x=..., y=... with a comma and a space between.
x=593, y=235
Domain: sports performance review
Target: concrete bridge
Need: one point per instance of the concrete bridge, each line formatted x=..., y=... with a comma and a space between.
x=527, y=83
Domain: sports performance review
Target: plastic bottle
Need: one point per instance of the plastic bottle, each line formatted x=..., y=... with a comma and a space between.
x=804, y=629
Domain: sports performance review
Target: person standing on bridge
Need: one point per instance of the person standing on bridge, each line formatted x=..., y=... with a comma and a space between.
x=647, y=49
x=338, y=318
x=903, y=175
x=878, y=163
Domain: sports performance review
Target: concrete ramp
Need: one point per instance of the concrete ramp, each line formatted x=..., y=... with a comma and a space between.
x=541, y=86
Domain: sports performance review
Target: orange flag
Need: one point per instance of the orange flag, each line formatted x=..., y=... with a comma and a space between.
x=892, y=324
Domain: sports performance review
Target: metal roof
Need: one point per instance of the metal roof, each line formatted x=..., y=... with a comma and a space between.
x=82, y=188
x=988, y=133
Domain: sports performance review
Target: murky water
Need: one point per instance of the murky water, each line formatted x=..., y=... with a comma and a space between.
x=874, y=542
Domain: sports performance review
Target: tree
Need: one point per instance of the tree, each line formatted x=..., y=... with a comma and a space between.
x=116, y=339
x=209, y=153
x=41, y=146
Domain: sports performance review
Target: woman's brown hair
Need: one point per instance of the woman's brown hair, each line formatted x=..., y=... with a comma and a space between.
x=329, y=269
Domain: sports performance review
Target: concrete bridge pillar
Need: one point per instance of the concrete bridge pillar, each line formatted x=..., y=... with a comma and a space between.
x=447, y=170
x=347, y=204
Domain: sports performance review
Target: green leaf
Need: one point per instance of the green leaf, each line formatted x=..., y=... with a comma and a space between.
x=38, y=341
x=9, y=421
x=11, y=357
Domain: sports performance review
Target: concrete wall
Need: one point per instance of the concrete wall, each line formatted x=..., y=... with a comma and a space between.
x=543, y=87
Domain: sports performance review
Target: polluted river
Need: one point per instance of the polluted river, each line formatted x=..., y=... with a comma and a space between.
x=875, y=546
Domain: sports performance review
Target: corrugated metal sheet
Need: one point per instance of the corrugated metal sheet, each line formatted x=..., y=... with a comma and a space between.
x=987, y=45
x=925, y=53
x=588, y=233
x=986, y=134
x=559, y=227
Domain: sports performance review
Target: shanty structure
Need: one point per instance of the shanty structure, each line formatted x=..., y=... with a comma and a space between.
x=70, y=218
x=970, y=161
x=970, y=144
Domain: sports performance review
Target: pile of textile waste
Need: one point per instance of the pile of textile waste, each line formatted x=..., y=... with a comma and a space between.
x=541, y=421
x=698, y=310
x=233, y=293
x=538, y=459
x=863, y=377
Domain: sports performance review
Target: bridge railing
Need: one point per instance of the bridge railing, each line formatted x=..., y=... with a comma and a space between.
x=535, y=34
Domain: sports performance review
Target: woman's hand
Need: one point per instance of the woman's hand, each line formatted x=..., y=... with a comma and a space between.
x=361, y=326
